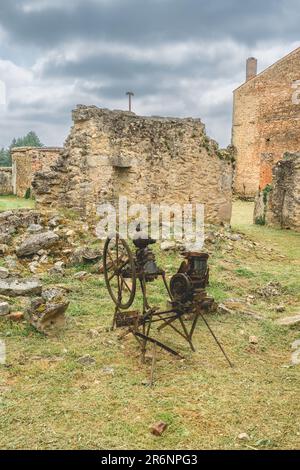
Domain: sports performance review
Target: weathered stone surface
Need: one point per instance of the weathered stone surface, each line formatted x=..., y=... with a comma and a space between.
x=58, y=268
x=84, y=255
x=289, y=321
x=34, y=243
x=3, y=247
x=47, y=312
x=29, y=160
x=19, y=287
x=4, y=273
x=168, y=245
x=272, y=289
x=172, y=159
x=86, y=360
x=4, y=308
x=5, y=181
x=34, y=228
x=244, y=436
x=80, y=275
x=283, y=204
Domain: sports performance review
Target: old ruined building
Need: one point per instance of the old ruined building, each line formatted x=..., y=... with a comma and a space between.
x=279, y=205
x=26, y=161
x=5, y=181
x=148, y=159
x=266, y=121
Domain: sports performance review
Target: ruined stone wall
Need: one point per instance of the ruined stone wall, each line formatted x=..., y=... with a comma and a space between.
x=5, y=181
x=147, y=159
x=283, y=205
x=26, y=161
x=266, y=123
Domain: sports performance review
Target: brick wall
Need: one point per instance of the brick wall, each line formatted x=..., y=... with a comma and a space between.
x=266, y=123
x=147, y=159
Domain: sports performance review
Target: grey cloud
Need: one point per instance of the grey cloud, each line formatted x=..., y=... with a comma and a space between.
x=150, y=21
x=168, y=87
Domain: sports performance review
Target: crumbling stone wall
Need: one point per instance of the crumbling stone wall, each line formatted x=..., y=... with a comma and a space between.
x=280, y=206
x=266, y=123
x=147, y=159
x=283, y=207
x=5, y=181
x=26, y=161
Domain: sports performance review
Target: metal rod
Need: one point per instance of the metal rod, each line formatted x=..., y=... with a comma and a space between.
x=161, y=345
x=153, y=365
x=216, y=339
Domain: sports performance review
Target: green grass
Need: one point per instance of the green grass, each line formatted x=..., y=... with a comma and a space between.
x=49, y=401
x=8, y=203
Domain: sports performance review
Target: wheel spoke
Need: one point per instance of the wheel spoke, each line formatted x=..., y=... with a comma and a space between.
x=125, y=283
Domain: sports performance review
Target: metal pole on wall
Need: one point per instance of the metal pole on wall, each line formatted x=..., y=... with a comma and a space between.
x=130, y=94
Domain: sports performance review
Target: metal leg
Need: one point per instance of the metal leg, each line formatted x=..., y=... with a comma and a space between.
x=153, y=365
x=187, y=334
x=114, y=319
x=216, y=339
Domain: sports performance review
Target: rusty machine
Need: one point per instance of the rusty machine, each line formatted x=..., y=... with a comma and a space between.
x=188, y=299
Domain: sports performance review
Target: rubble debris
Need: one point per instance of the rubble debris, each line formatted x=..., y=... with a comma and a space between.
x=86, y=360
x=235, y=237
x=93, y=333
x=47, y=312
x=168, y=245
x=108, y=370
x=84, y=255
x=233, y=306
x=272, y=289
x=3, y=248
x=244, y=436
x=280, y=308
x=289, y=321
x=15, y=316
x=20, y=287
x=158, y=428
x=4, y=273
x=12, y=262
x=253, y=340
x=4, y=309
x=58, y=268
x=80, y=275
x=34, y=243
x=34, y=228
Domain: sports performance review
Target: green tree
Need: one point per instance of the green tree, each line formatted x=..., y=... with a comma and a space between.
x=29, y=140
x=5, y=159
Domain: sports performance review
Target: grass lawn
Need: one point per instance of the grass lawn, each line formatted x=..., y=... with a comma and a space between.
x=8, y=203
x=48, y=400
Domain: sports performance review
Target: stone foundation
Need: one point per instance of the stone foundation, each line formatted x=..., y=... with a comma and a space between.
x=147, y=159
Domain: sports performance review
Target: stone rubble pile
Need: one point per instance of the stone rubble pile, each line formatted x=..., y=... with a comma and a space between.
x=32, y=244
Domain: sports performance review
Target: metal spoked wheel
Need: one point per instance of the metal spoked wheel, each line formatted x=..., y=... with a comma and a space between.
x=119, y=271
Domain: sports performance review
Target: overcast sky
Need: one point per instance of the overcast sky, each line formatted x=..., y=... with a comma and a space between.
x=180, y=57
